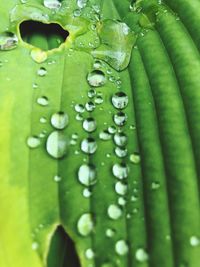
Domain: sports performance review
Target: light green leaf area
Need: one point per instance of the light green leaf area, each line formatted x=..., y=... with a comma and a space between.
x=99, y=137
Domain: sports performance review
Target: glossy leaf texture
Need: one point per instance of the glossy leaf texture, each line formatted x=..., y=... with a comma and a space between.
x=100, y=144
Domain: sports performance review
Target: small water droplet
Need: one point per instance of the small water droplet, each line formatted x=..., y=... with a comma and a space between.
x=194, y=241
x=114, y=212
x=59, y=120
x=79, y=108
x=35, y=246
x=89, y=125
x=121, y=201
x=120, y=118
x=120, y=100
x=121, y=188
x=104, y=135
x=82, y=3
x=107, y=264
x=85, y=224
x=135, y=158
x=96, y=78
x=121, y=248
x=89, y=254
x=33, y=141
x=91, y=93
x=120, y=139
x=43, y=101
x=57, y=178
x=120, y=171
x=112, y=129
x=155, y=185
x=87, y=175
x=98, y=100
x=52, y=4
x=97, y=63
x=8, y=41
x=87, y=193
x=38, y=55
x=89, y=145
x=57, y=145
x=110, y=232
x=79, y=117
x=90, y=106
x=141, y=255
x=42, y=72
x=121, y=152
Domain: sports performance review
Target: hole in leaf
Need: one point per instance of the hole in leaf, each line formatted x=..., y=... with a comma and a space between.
x=43, y=36
x=62, y=252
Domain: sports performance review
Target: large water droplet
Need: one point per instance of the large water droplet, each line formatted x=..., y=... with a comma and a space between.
x=96, y=78
x=120, y=171
x=33, y=141
x=85, y=224
x=8, y=41
x=114, y=212
x=89, y=145
x=141, y=255
x=57, y=144
x=89, y=125
x=121, y=248
x=120, y=100
x=121, y=188
x=87, y=174
x=59, y=120
x=52, y=4
x=120, y=118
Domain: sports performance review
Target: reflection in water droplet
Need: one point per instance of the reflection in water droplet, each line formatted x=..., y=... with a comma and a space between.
x=33, y=141
x=96, y=78
x=85, y=224
x=59, y=120
x=120, y=118
x=38, y=55
x=52, y=4
x=120, y=139
x=42, y=72
x=87, y=175
x=43, y=101
x=57, y=144
x=104, y=135
x=141, y=255
x=121, y=188
x=89, y=145
x=89, y=254
x=121, y=248
x=8, y=41
x=120, y=100
x=121, y=152
x=114, y=212
x=79, y=108
x=89, y=125
x=120, y=171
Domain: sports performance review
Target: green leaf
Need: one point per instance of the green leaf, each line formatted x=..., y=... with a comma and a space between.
x=99, y=127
